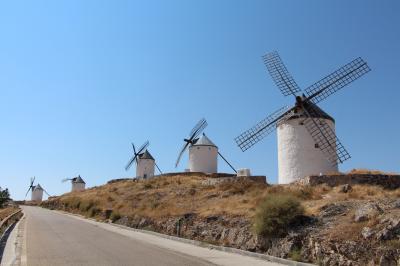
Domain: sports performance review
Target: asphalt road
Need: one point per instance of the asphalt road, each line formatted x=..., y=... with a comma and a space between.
x=51, y=238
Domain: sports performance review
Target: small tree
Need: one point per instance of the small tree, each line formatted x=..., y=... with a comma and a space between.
x=4, y=196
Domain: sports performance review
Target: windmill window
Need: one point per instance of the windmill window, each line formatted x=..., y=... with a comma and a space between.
x=301, y=123
x=316, y=145
x=198, y=148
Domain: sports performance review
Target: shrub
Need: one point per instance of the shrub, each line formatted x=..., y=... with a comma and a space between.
x=147, y=186
x=93, y=211
x=4, y=197
x=275, y=214
x=115, y=216
x=295, y=254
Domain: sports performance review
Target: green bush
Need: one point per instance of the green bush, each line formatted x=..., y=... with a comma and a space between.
x=295, y=255
x=4, y=197
x=275, y=213
x=115, y=216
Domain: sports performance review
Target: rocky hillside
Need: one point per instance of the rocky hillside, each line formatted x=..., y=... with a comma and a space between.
x=340, y=225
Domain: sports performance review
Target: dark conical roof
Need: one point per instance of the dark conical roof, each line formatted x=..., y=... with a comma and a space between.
x=78, y=179
x=313, y=110
x=146, y=155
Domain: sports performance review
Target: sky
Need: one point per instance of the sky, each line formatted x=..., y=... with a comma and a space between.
x=81, y=80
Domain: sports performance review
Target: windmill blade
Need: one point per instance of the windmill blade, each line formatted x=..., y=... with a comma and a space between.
x=143, y=147
x=337, y=80
x=325, y=138
x=134, y=151
x=46, y=193
x=181, y=153
x=158, y=168
x=198, y=129
x=227, y=162
x=198, y=126
x=253, y=135
x=65, y=180
x=130, y=162
x=27, y=192
x=32, y=180
x=280, y=74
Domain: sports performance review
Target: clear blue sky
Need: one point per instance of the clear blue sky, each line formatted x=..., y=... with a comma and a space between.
x=80, y=80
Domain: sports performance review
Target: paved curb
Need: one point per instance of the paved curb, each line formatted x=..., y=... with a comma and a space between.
x=201, y=244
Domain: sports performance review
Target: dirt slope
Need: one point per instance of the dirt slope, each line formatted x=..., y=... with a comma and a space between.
x=357, y=227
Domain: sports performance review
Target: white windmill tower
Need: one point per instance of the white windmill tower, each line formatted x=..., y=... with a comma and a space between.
x=77, y=183
x=37, y=191
x=307, y=143
x=203, y=153
x=145, y=163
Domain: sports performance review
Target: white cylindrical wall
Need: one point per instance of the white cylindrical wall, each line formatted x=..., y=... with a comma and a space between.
x=145, y=168
x=78, y=186
x=297, y=155
x=203, y=158
x=37, y=195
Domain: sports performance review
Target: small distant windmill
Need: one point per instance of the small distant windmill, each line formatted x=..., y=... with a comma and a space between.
x=203, y=153
x=37, y=191
x=145, y=162
x=307, y=143
x=77, y=183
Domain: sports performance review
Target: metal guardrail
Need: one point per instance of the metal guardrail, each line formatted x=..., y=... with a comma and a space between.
x=9, y=220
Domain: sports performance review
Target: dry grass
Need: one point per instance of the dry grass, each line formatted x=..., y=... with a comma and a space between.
x=180, y=194
x=370, y=172
x=6, y=212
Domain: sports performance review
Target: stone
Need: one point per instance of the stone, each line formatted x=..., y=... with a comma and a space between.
x=346, y=188
x=366, y=212
x=386, y=260
x=367, y=232
x=224, y=233
x=383, y=234
x=390, y=230
x=396, y=204
x=332, y=210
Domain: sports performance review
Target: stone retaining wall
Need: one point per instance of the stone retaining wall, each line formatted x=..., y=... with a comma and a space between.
x=216, y=180
x=385, y=181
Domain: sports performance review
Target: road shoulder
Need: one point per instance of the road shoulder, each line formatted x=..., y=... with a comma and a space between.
x=13, y=252
x=214, y=254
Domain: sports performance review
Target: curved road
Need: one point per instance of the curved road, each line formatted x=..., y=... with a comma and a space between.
x=52, y=238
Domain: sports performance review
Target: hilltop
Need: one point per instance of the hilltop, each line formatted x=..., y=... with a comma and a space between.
x=345, y=224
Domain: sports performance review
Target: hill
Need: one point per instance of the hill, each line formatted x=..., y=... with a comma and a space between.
x=335, y=225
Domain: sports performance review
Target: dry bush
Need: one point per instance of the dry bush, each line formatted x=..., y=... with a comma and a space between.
x=115, y=215
x=275, y=214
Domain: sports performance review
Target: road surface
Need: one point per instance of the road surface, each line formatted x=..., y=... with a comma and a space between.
x=52, y=238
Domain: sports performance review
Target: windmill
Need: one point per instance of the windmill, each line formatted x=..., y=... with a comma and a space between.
x=307, y=143
x=37, y=191
x=203, y=152
x=144, y=162
x=77, y=183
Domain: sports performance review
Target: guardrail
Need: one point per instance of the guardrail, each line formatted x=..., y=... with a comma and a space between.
x=9, y=220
